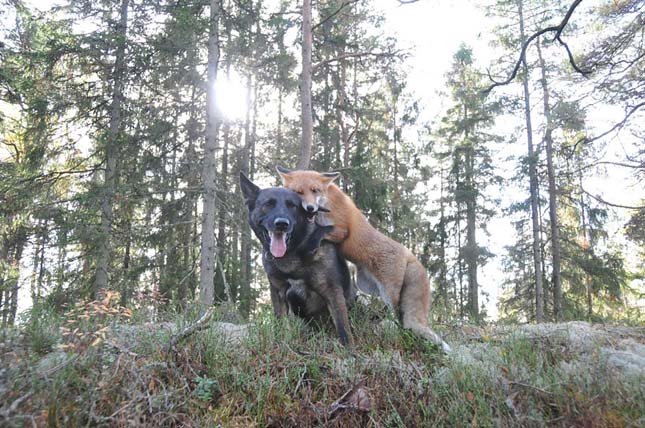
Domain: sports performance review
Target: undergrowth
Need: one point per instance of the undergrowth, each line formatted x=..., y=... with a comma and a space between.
x=79, y=371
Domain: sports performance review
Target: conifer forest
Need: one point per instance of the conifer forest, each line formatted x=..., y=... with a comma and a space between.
x=509, y=161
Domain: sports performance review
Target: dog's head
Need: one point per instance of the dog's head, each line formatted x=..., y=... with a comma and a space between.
x=311, y=186
x=275, y=215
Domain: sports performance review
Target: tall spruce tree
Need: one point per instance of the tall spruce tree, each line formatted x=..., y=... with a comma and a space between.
x=465, y=130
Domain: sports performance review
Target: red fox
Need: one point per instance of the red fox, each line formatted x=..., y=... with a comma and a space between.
x=384, y=266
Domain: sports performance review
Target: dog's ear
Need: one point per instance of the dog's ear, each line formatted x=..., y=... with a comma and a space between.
x=284, y=173
x=329, y=177
x=249, y=190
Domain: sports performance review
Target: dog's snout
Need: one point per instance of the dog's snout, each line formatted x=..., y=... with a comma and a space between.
x=310, y=208
x=281, y=223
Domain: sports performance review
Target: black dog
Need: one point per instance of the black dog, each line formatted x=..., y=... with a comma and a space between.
x=307, y=275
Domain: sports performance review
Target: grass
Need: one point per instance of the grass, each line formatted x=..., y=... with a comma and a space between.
x=287, y=374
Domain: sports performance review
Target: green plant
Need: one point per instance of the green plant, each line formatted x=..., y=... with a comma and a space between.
x=207, y=389
x=40, y=328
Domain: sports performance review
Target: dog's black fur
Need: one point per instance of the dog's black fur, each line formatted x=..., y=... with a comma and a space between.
x=307, y=275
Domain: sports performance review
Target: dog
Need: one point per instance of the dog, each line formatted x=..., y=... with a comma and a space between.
x=307, y=276
x=384, y=266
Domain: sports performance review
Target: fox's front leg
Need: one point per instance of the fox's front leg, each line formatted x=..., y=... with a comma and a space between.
x=338, y=234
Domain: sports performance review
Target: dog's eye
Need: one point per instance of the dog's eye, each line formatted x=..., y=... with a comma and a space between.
x=290, y=204
x=268, y=205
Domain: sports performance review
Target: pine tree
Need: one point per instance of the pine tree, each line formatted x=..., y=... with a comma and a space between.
x=464, y=130
x=208, y=248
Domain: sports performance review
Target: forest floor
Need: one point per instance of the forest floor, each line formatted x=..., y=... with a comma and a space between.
x=103, y=366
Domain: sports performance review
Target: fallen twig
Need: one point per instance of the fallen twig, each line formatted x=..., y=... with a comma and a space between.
x=526, y=385
x=356, y=398
x=122, y=349
x=14, y=406
x=200, y=324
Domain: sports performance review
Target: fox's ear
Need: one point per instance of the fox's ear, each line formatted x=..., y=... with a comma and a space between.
x=249, y=190
x=329, y=177
x=284, y=173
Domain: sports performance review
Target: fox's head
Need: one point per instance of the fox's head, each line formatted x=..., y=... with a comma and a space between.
x=310, y=185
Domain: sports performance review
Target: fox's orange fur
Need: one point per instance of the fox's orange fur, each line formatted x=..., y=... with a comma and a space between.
x=385, y=267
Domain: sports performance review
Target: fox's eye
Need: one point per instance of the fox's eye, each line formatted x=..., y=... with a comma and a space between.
x=314, y=190
x=300, y=192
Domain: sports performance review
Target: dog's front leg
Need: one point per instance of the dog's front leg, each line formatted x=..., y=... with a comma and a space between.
x=338, y=309
x=278, y=290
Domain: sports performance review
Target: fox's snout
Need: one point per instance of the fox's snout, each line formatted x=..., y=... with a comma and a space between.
x=310, y=208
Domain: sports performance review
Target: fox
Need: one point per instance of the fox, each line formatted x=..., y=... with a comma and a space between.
x=385, y=267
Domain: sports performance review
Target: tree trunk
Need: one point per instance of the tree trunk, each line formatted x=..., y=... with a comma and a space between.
x=14, y=275
x=586, y=241
x=471, y=238
x=471, y=250
x=38, y=261
x=112, y=155
x=443, y=267
x=223, y=191
x=41, y=269
x=125, y=286
x=346, y=135
x=533, y=182
x=340, y=107
x=244, y=294
x=396, y=200
x=189, y=229
x=279, y=144
x=254, y=131
x=553, y=216
x=61, y=256
x=207, y=263
x=305, y=88
x=460, y=262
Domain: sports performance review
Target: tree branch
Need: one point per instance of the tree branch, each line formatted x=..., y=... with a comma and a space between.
x=350, y=55
x=336, y=12
x=58, y=174
x=612, y=163
x=572, y=61
x=586, y=140
x=519, y=61
x=558, y=31
x=566, y=18
x=611, y=204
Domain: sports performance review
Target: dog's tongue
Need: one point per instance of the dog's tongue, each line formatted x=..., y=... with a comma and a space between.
x=278, y=244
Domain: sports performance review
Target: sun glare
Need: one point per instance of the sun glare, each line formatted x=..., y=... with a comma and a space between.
x=230, y=96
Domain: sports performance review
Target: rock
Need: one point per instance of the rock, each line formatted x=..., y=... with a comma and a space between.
x=233, y=333
x=630, y=361
x=52, y=360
